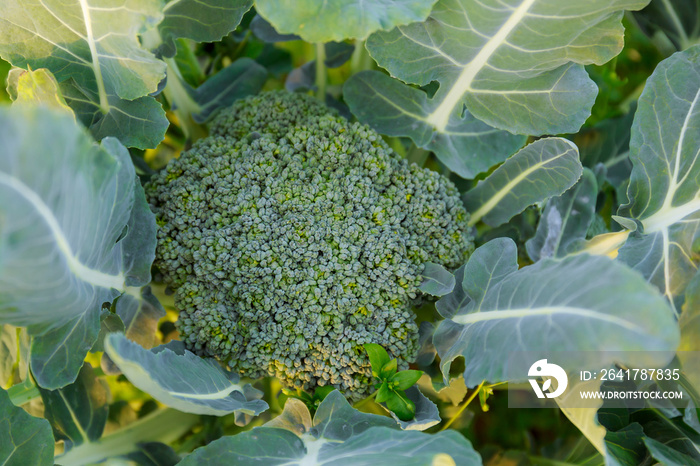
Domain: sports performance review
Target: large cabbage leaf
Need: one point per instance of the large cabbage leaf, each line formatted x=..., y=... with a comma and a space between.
x=543, y=169
x=324, y=21
x=93, y=50
x=35, y=87
x=672, y=24
x=664, y=191
x=183, y=380
x=565, y=220
x=75, y=231
x=576, y=306
x=25, y=439
x=515, y=65
x=338, y=435
x=78, y=412
x=467, y=146
x=200, y=20
x=485, y=56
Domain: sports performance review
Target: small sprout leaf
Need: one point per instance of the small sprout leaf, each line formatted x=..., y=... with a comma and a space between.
x=400, y=405
x=384, y=393
x=378, y=357
x=388, y=370
x=405, y=379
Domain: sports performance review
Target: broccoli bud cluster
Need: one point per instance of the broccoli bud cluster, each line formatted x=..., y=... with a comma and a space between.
x=292, y=237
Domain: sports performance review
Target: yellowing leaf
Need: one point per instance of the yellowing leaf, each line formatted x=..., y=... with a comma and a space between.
x=34, y=87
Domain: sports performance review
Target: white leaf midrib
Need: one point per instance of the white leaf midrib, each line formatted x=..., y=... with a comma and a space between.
x=669, y=214
x=134, y=368
x=499, y=195
x=485, y=316
x=80, y=270
x=85, y=7
x=440, y=117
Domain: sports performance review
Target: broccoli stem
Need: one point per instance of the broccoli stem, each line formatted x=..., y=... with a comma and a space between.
x=360, y=60
x=181, y=102
x=165, y=425
x=321, y=75
x=186, y=55
x=364, y=401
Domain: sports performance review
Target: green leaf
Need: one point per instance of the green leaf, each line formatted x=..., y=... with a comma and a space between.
x=467, y=146
x=25, y=439
x=139, y=123
x=72, y=242
x=97, y=47
x=455, y=300
x=242, y=78
x=323, y=21
x=109, y=323
x=200, y=20
x=154, y=454
x=437, y=281
x=322, y=392
x=689, y=323
x=671, y=431
x=426, y=412
x=336, y=420
x=388, y=369
x=678, y=21
x=337, y=53
x=57, y=355
x=511, y=309
x=340, y=436
x=485, y=57
x=295, y=417
x=607, y=143
x=545, y=168
x=426, y=354
x=626, y=446
x=406, y=379
x=163, y=425
x=664, y=190
x=585, y=418
x=565, y=220
x=35, y=87
x=8, y=354
x=378, y=357
x=665, y=454
x=408, y=448
x=383, y=393
x=486, y=267
x=266, y=32
x=269, y=445
x=140, y=311
x=181, y=379
x=399, y=404
x=78, y=412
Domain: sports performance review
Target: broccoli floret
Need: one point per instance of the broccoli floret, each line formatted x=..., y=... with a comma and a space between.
x=292, y=237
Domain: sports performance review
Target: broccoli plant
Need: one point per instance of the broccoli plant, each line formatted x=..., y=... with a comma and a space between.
x=292, y=238
x=352, y=232
x=392, y=383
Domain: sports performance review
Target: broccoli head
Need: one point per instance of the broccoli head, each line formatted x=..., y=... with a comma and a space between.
x=292, y=237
